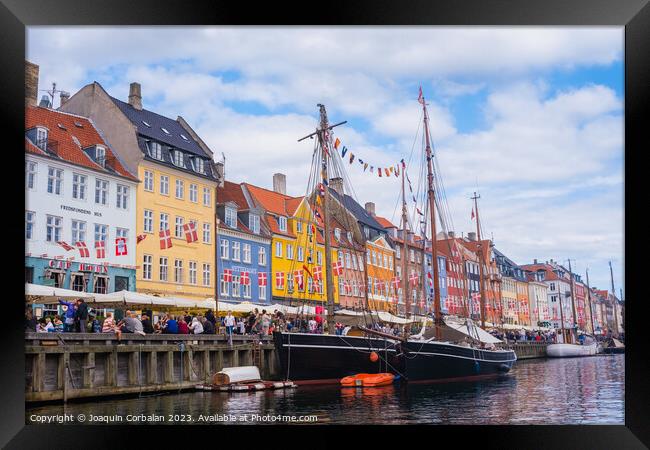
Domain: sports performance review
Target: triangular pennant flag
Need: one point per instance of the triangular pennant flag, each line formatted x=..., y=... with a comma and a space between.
x=387, y=172
x=392, y=169
x=337, y=142
x=403, y=164
x=472, y=213
x=140, y=238
x=397, y=171
x=344, y=151
x=365, y=166
x=379, y=171
x=372, y=169
x=360, y=161
x=351, y=158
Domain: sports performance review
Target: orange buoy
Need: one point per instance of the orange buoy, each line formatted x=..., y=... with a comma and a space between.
x=374, y=357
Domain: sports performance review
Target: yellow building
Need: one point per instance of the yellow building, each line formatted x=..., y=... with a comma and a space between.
x=296, y=244
x=178, y=180
x=380, y=263
x=523, y=303
x=509, y=300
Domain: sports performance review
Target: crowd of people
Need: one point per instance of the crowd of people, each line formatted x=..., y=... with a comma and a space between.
x=524, y=335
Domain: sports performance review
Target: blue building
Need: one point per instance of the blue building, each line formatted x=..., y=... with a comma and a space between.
x=442, y=274
x=244, y=248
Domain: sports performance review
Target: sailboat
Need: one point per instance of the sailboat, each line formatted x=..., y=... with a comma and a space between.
x=442, y=352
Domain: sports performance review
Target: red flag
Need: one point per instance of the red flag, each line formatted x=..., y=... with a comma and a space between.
x=140, y=238
x=318, y=273
x=421, y=97
x=120, y=247
x=190, y=232
x=227, y=275
x=165, y=239
x=100, y=249
x=261, y=279
x=379, y=171
x=472, y=213
x=297, y=275
x=306, y=269
x=245, y=278
x=83, y=250
x=337, y=268
x=279, y=280
x=65, y=245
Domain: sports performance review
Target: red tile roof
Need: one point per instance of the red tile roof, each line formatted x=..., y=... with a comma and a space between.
x=384, y=222
x=232, y=192
x=67, y=149
x=272, y=201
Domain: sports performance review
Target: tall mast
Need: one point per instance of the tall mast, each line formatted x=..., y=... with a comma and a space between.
x=432, y=209
x=480, y=260
x=591, y=313
x=405, y=276
x=611, y=273
x=573, y=305
x=559, y=296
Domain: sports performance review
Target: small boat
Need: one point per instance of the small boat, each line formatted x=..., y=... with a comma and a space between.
x=368, y=380
x=233, y=375
x=571, y=350
x=613, y=346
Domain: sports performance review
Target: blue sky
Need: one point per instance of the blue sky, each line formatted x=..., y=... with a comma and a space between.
x=531, y=117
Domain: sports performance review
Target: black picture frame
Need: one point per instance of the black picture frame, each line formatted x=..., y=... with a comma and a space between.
x=634, y=15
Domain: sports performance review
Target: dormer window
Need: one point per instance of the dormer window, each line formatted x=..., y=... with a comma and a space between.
x=184, y=137
x=146, y=124
x=100, y=155
x=254, y=223
x=178, y=158
x=231, y=217
x=282, y=223
x=197, y=164
x=41, y=138
x=165, y=130
x=155, y=150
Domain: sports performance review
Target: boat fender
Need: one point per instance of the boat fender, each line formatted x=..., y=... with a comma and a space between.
x=374, y=357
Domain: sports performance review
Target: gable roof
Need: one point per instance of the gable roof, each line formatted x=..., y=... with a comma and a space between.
x=274, y=202
x=154, y=131
x=74, y=127
x=358, y=211
x=384, y=222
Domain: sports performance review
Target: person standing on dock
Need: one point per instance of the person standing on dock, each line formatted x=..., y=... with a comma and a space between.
x=81, y=316
x=68, y=323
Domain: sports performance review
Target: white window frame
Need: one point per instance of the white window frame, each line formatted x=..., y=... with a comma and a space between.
x=300, y=253
x=164, y=221
x=54, y=181
x=31, y=171
x=225, y=249
x=282, y=223
x=78, y=229
x=194, y=193
x=254, y=223
x=101, y=191
x=178, y=227
x=101, y=232
x=55, y=224
x=178, y=271
x=261, y=256
x=192, y=272
x=207, y=231
x=177, y=158
x=180, y=189
x=122, y=197
x=164, y=184
x=206, y=274
x=147, y=224
x=224, y=286
x=148, y=181
x=79, y=186
x=147, y=267
x=236, y=251
x=246, y=253
x=30, y=223
x=207, y=196
x=231, y=217
x=278, y=249
x=289, y=251
x=155, y=150
x=164, y=268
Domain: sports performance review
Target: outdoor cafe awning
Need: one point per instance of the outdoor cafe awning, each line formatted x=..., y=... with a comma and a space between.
x=48, y=294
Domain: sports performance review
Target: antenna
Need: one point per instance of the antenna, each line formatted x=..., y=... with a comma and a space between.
x=52, y=92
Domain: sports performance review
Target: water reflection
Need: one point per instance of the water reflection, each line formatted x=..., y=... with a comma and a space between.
x=554, y=391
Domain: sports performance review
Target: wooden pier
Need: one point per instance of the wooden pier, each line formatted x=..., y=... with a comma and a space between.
x=528, y=349
x=64, y=366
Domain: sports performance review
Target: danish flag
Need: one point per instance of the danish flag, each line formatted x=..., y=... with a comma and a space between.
x=298, y=277
x=318, y=273
x=165, y=239
x=430, y=279
x=100, y=249
x=413, y=279
x=227, y=275
x=337, y=268
x=347, y=287
x=396, y=282
x=245, y=278
x=261, y=279
x=120, y=246
x=190, y=232
x=65, y=245
x=140, y=238
x=279, y=280
x=83, y=250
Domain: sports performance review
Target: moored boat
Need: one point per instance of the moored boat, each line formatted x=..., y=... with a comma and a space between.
x=613, y=346
x=571, y=350
x=368, y=380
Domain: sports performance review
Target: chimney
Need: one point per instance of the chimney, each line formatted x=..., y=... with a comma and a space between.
x=337, y=185
x=135, y=96
x=471, y=236
x=64, y=97
x=280, y=183
x=534, y=261
x=219, y=169
x=31, y=84
x=451, y=235
x=370, y=208
x=45, y=102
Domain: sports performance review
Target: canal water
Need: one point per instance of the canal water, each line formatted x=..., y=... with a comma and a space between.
x=587, y=390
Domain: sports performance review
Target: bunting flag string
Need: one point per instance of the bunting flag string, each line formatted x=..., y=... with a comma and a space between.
x=381, y=171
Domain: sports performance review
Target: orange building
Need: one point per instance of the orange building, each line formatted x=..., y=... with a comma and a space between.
x=380, y=262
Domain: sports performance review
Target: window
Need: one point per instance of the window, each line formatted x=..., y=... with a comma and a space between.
x=164, y=221
x=197, y=164
x=164, y=184
x=231, y=217
x=178, y=231
x=165, y=130
x=122, y=196
x=398, y=252
x=194, y=193
x=79, y=186
x=319, y=258
x=261, y=256
x=348, y=263
x=100, y=155
x=206, y=274
x=78, y=231
x=225, y=249
x=206, y=233
x=29, y=224
x=179, y=189
x=360, y=262
x=235, y=285
x=290, y=282
x=192, y=272
x=155, y=150
x=262, y=292
x=412, y=255
x=163, y=268
x=206, y=196
x=247, y=253
x=41, y=138
x=78, y=283
x=178, y=158
x=178, y=271
x=337, y=234
x=278, y=249
x=101, y=232
x=101, y=192
x=301, y=254
x=390, y=263
x=298, y=226
x=53, y=228
x=224, y=285
x=254, y=223
x=100, y=285
x=349, y=236
x=30, y=173
x=374, y=258
x=289, y=251
x=122, y=233
x=236, y=251
x=148, y=181
x=282, y=223
x=385, y=260
x=368, y=256
x=146, y=267
x=246, y=290
x=366, y=231
x=148, y=221
x=54, y=180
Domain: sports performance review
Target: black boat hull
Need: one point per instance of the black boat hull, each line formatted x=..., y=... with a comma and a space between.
x=614, y=350
x=317, y=358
